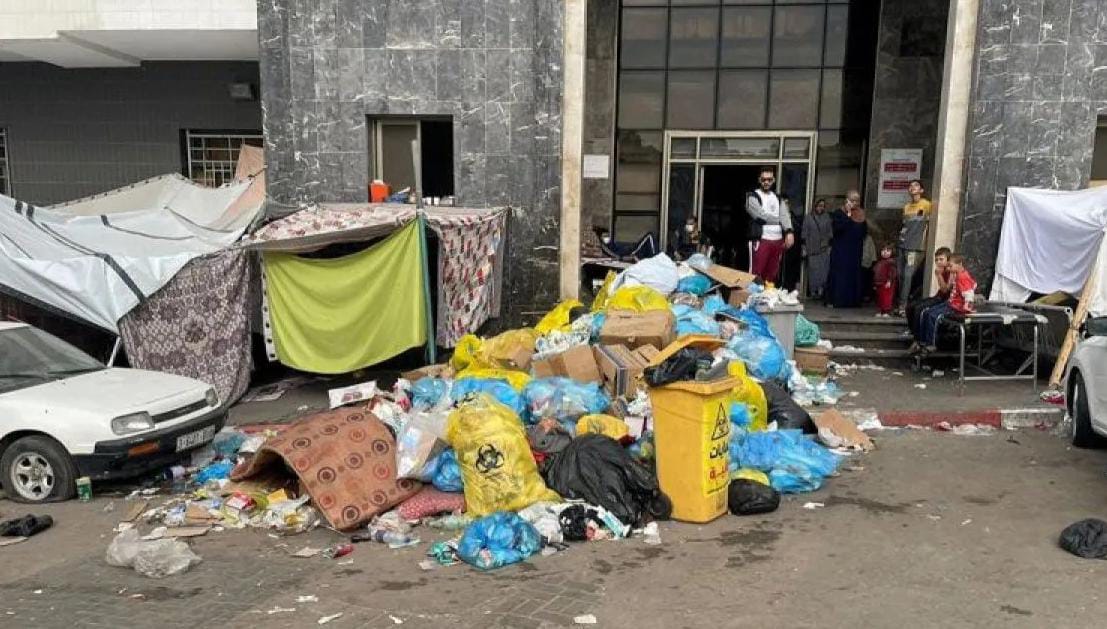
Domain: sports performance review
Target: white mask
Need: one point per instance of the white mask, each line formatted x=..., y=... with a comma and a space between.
x=606, y=240
x=690, y=227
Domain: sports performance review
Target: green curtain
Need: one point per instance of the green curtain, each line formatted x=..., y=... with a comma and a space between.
x=338, y=315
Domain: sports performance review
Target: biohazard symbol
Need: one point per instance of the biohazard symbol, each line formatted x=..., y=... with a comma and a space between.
x=489, y=458
x=722, y=424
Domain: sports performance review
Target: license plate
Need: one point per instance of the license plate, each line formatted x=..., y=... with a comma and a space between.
x=195, y=438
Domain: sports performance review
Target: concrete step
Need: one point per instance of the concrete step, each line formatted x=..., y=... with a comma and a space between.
x=886, y=338
x=868, y=324
x=878, y=354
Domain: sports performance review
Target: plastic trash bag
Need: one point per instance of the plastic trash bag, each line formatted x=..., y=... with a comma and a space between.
x=807, y=333
x=599, y=471
x=517, y=379
x=763, y=355
x=682, y=365
x=785, y=412
x=497, y=468
x=467, y=353
x=498, y=540
x=155, y=559
x=699, y=261
x=563, y=399
x=215, y=471
x=659, y=273
x=499, y=389
x=446, y=473
x=692, y=321
x=428, y=392
x=695, y=284
x=1086, y=538
x=748, y=497
x=599, y=304
x=637, y=299
x=750, y=394
x=500, y=349
x=749, y=473
x=418, y=445
x=794, y=463
x=713, y=304
x=558, y=318
x=25, y=526
x=602, y=425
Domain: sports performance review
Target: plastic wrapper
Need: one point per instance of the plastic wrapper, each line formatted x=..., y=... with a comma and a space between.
x=602, y=425
x=692, y=321
x=637, y=299
x=497, y=468
x=599, y=304
x=429, y=392
x=419, y=444
x=543, y=516
x=807, y=333
x=499, y=389
x=155, y=559
x=659, y=273
x=216, y=471
x=557, y=341
x=446, y=474
x=699, y=261
x=558, y=318
x=498, y=540
x=695, y=284
x=563, y=399
x=353, y=393
x=763, y=355
x=793, y=462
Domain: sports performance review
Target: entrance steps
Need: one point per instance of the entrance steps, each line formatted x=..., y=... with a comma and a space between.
x=857, y=334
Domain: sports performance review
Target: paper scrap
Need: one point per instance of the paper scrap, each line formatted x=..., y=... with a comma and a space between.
x=813, y=505
x=135, y=510
x=395, y=620
x=280, y=610
x=921, y=385
x=307, y=551
x=187, y=531
x=325, y=619
x=307, y=598
x=8, y=541
x=586, y=619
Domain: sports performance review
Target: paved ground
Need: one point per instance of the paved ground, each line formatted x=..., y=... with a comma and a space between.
x=936, y=530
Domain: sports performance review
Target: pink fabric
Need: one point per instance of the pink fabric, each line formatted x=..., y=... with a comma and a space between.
x=766, y=259
x=430, y=501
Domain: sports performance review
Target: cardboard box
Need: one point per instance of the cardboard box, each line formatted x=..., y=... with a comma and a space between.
x=636, y=329
x=577, y=363
x=443, y=370
x=812, y=359
x=738, y=296
x=622, y=367
x=731, y=278
x=515, y=356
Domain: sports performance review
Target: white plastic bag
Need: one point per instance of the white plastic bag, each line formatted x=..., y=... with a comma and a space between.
x=418, y=443
x=155, y=559
x=659, y=273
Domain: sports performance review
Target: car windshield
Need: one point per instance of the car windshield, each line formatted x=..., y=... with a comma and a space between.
x=29, y=356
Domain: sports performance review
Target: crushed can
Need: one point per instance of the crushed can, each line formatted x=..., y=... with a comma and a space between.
x=84, y=489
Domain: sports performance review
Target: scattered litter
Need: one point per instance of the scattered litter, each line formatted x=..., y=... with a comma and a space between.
x=1086, y=538
x=325, y=619
x=969, y=521
x=813, y=505
x=37, y=592
x=8, y=541
x=274, y=391
x=871, y=423
x=849, y=349
x=855, y=468
x=854, y=393
x=651, y=534
x=934, y=517
x=395, y=620
x=307, y=551
x=155, y=559
x=280, y=610
x=921, y=385
x=966, y=429
x=353, y=393
x=938, y=373
x=587, y=619
x=307, y=598
x=135, y=509
x=897, y=373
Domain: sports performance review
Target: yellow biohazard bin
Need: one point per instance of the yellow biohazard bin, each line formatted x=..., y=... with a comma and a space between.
x=692, y=438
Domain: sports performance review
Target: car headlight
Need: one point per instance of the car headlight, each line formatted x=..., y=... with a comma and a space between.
x=135, y=422
x=211, y=397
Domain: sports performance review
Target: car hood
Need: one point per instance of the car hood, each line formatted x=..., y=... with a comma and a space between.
x=114, y=391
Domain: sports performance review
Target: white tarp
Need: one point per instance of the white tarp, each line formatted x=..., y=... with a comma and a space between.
x=97, y=258
x=1049, y=242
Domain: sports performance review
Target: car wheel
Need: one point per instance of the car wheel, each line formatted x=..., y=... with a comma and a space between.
x=38, y=469
x=1083, y=436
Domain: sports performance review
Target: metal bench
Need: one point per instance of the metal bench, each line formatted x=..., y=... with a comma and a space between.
x=986, y=325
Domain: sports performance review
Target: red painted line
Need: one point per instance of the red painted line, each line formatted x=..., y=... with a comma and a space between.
x=989, y=417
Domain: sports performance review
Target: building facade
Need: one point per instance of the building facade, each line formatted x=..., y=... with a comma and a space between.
x=628, y=115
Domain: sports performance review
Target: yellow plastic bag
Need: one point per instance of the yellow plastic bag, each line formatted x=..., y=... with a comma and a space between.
x=558, y=318
x=467, y=352
x=511, y=350
x=749, y=473
x=637, y=299
x=497, y=468
x=751, y=394
x=602, y=425
x=517, y=379
x=604, y=294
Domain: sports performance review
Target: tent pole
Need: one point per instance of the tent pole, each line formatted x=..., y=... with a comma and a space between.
x=115, y=351
x=1077, y=321
x=432, y=347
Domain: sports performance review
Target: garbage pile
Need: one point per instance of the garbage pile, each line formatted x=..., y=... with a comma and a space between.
x=670, y=397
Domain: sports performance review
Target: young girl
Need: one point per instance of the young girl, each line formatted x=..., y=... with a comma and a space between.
x=885, y=275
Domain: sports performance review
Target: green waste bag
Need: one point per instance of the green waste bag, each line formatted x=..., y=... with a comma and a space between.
x=807, y=333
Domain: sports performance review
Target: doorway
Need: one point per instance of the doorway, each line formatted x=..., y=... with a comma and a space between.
x=724, y=221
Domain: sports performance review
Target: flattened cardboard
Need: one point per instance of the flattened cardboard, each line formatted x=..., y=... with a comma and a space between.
x=731, y=278
x=135, y=509
x=621, y=368
x=833, y=421
x=187, y=531
x=812, y=358
x=637, y=329
x=443, y=370
x=576, y=362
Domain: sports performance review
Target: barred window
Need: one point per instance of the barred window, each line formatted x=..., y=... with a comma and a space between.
x=212, y=156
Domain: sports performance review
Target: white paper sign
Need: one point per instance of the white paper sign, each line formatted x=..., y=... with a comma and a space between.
x=897, y=168
x=596, y=166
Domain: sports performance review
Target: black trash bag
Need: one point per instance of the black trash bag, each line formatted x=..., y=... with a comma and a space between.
x=749, y=497
x=1086, y=538
x=785, y=412
x=596, y=469
x=26, y=526
x=548, y=439
x=682, y=365
x=574, y=522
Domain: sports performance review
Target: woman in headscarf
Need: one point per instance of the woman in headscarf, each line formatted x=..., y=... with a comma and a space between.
x=845, y=285
x=817, y=234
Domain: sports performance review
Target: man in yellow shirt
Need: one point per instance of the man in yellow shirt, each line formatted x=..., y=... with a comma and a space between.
x=912, y=240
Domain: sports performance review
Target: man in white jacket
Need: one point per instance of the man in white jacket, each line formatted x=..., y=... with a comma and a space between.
x=770, y=227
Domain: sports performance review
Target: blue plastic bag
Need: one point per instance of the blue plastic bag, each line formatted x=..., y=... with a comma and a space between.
x=499, y=389
x=428, y=392
x=793, y=462
x=215, y=471
x=598, y=319
x=695, y=284
x=563, y=399
x=497, y=540
x=692, y=321
x=446, y=473
x=763, y=355
x=713, y=304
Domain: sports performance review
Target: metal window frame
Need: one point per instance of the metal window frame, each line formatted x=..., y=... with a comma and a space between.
x=5, y=164
x=377, y=132
x=221, y=166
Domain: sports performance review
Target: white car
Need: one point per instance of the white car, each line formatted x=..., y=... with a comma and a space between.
x=64, y=415
x=1086, y=385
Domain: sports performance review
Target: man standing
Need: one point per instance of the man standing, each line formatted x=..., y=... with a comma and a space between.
x=770, y=228
x=912, y=240
x=817, y=233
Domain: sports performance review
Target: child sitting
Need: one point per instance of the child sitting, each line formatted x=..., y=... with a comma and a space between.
x=915, y=309
x=885, y=275
x=962, y=296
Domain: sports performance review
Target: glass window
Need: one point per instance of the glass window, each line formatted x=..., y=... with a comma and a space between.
x=682, y=195
x=682, y=148
x=742, y=99
x=798, y=36
x=837, y=27
x=693, y=34
x=630, y=228
x=213, y=157
x=631, y=202
x=839, y=166
x=643, y=38
x=639, y=178
x=641, y=98
x=691, y=100
x=794, y=99
x=750, y=148
x=639, y=147
x=745, y=37
x=830, y=110
x=797, y=148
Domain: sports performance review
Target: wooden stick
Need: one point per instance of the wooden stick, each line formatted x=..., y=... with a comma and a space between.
x=1077, y=320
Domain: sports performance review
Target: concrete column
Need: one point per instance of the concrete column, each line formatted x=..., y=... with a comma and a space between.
x=572, y=145
x=953, y=119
